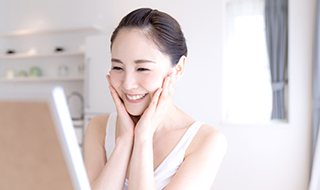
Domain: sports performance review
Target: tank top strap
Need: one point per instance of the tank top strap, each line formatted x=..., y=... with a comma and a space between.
x=110, y=138
x=187, y=138
x=176, y=156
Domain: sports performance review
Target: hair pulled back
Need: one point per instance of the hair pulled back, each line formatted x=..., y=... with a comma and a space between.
x=163, y=29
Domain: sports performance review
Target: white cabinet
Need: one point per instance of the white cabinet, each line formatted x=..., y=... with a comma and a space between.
x=53, y=67
x=58, y=57
x=98, y=99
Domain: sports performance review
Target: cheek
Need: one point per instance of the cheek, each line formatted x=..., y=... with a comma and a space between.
x=115, y=79
x=153, y=81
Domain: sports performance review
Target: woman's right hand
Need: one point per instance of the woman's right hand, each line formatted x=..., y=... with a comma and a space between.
x=124, y=121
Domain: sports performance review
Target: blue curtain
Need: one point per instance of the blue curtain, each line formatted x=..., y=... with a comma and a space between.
x=276, y=19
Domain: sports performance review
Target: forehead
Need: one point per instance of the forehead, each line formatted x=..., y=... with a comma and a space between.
x=132, y=43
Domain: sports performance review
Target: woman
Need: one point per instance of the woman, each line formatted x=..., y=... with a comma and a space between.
x=149, y=143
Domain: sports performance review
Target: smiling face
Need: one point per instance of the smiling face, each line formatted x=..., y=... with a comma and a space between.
x=138, y=69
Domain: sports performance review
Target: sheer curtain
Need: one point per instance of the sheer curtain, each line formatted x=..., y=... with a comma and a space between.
x=315, y=174
x=247, y=92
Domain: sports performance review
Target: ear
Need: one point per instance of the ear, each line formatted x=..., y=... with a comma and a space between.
x=179, y=68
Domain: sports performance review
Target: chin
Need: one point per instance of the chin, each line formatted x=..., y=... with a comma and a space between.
x=135, y=111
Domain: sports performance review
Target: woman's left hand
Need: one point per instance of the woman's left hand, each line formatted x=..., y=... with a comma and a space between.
x=154, y=114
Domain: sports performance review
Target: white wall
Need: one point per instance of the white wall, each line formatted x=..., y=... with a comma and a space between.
x=277, y=156
x=271, y=156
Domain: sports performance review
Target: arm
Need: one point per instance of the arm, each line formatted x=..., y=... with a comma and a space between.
x=202, y=161
x=141, y=176
x=105, y=174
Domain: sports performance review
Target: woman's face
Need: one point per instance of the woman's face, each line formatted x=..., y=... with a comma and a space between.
x=138, y=69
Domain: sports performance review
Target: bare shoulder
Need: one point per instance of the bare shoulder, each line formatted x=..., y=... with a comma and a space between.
x=211, y=133
x=98, y=121
x=97, y=127
x=202, y=160
x=209, y=139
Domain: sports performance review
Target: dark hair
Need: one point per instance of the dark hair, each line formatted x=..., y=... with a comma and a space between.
x=162, y=28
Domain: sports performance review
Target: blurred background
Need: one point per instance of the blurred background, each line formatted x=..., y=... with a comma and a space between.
x=227, y=83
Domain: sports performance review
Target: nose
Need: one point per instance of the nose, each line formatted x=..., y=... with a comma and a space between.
x=130, y=81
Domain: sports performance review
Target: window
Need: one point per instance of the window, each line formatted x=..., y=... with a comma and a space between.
x=247, y=92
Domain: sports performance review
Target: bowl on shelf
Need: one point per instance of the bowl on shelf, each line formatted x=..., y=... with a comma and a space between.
x=10, y=74
x=35, y=72
x=63, y=70
x=22, y=74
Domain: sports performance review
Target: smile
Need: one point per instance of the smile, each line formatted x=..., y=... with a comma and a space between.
x=135, y=97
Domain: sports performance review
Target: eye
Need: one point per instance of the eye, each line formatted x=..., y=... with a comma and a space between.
x=143, y=69
x=117, y=68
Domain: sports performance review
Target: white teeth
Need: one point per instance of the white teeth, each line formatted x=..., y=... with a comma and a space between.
x=135, y=97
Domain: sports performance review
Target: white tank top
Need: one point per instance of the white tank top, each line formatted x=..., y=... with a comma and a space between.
x=168, y=167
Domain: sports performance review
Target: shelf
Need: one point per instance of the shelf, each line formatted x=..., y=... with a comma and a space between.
x=42, y=79
x=29, y=32
x=48, y=55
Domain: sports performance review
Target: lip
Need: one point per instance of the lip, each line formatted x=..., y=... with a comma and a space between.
x=135, y=101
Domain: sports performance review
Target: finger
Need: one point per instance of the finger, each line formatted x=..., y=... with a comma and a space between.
x=117, y=101
x=165, y=86
x=114, y=94
x=109, y=80
x=154, y=102
x=115, y=97
x=163, y=99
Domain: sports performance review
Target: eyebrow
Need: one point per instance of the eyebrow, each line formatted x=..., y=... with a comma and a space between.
x=139, y=61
